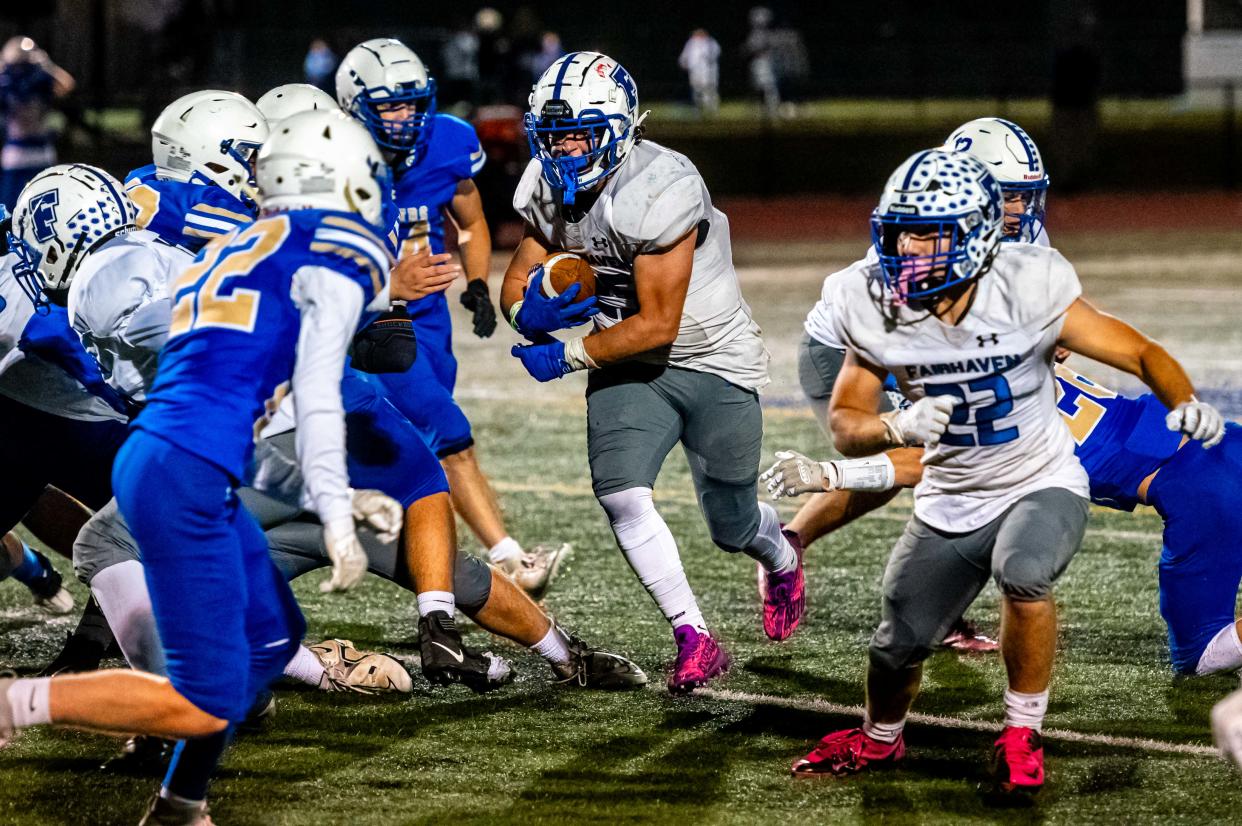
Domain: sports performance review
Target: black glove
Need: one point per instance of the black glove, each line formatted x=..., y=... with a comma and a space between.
x=387, y=345
x=476, y=300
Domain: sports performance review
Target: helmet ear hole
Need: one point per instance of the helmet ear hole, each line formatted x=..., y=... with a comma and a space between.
x=217, y=168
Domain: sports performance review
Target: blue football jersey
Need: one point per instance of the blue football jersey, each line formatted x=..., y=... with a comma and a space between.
x=1119, y=441
x=233, y=340
x=426, y=183
x=184, y=214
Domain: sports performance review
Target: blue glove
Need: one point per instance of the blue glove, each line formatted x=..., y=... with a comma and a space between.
x=545, y=315
x=543, y=361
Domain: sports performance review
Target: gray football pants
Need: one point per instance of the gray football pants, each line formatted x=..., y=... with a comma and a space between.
x=636, y=413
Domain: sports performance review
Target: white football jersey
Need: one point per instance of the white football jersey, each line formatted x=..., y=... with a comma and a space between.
x=1005, y=438
x=655, y=198
x=119, y=305
x=26, y=377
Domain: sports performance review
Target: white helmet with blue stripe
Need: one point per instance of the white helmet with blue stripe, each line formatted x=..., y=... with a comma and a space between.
x=585, y=93
x=949, y=197
x=1014, y=160
x=209, y=137
x=61, y=215
x=382, y=83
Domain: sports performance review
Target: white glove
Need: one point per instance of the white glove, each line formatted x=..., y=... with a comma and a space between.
x=380, y=511
x=1197, y=420
x=795, y=474
x=922, y=423
x=1227, y=727
x=349, y=561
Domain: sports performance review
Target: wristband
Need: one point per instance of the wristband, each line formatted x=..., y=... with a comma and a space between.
x=874, y=473
x=513, y=314
x=576, y=355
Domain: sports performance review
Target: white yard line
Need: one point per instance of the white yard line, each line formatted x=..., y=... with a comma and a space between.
x=825, y=707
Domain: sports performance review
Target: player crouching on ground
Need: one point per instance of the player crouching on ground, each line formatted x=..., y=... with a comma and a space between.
x=675, y=355
x=968, y=327
x=259, y=310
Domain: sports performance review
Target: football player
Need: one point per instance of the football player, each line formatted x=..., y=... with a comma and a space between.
x=434, y=158
x=1014, y=160
x=968, y=327
x=227, y=620
x=675, y=355
x=282, y=101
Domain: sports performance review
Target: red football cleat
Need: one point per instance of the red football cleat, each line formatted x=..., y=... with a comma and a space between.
x=965, y=637
x=1018, y=761
x=848, y=752
x=783, y=595
x=699, y=659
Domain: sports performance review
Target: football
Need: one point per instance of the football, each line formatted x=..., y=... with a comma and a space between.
x=561, y=269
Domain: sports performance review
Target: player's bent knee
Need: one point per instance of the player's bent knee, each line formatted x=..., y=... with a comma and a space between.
x=732, y=520
x=894, y=656
x=627, y=507
x=1024, y=579
x=472, y=583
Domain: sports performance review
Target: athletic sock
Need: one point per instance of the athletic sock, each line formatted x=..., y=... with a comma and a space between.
x=553, y=647
x=883, y=732
x=305, y=667
x=1025, y=710
x=505, y=549
x=31, y=569
x=120, y=591
x=770, y=548
x=28, y=701
x=651, y=550
x=429, y=601
x=193, y=764
x=1223, y=653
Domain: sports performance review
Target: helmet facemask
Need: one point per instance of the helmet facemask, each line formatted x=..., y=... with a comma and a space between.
x=243, y=154
x=26, y=272
x=408, y=133
x=1025, y=208
x=915, y=277
x=605, y=136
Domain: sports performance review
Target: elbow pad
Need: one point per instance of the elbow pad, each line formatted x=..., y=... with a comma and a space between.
x=385, y=346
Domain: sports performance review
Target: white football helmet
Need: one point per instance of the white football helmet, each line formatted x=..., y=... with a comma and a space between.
x=383, y=76
x=209, y=137
x=951, y=196
x=1013, y=159
x=323, y=159
x=283, y=101
x=61, y=215
x=583, y=92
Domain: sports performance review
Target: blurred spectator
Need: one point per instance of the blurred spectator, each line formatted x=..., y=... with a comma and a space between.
x=29, y=83
x=525, y=35
x=319, y=67
x=700, y=58
x=493, y=55
x=550, y=50
x=759, y=48
x=460, y=74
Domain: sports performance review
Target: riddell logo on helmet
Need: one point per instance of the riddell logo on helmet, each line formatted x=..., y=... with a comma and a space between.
x=1031, y=177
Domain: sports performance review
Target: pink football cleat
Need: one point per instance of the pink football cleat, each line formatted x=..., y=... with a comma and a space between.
x=699, y=659
x=966, y=638
x=783, y=595
x=848, y=752
x=1018, y=761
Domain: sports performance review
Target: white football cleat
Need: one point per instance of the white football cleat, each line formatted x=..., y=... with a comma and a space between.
x=365, y=672
x=60, y=602
x=535, y=569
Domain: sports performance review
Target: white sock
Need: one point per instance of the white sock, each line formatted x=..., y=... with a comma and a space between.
x=305, y=667
x=178, y=799
x=884, y=732
x=506, y=548
x=429, y=601
x=1025, y=710
x=552, y=647
x=649, y=547
x=770, y=547
x=121, y=591
x=28, y=701
x=1223, y=653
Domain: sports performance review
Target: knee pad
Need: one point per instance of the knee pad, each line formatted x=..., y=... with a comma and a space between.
x=889, y=652
x=104, y=541
x=472, y=583
x=732, y=518
x=1024, y=579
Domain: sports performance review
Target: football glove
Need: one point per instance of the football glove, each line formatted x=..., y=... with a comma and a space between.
x=380, y=511
x=922, y=423
x=387, y=345
x=477, y=300
x=1199, y=421
x=544, y=362
x=349, y=561
x=538, y=314
x=795, y=474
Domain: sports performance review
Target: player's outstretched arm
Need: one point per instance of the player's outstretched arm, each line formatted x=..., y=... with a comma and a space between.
x=661, y=281
x=1105, y=338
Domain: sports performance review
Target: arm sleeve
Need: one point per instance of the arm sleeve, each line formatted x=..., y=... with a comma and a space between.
x=331, y=305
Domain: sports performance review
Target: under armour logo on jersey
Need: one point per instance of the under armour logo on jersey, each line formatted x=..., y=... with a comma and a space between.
x=990, y=338
x=43, y=214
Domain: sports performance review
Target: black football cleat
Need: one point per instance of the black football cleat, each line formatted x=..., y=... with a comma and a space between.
x=592, y=668
x=445, y=660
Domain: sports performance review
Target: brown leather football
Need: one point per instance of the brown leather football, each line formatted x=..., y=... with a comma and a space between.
x=562, y=269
